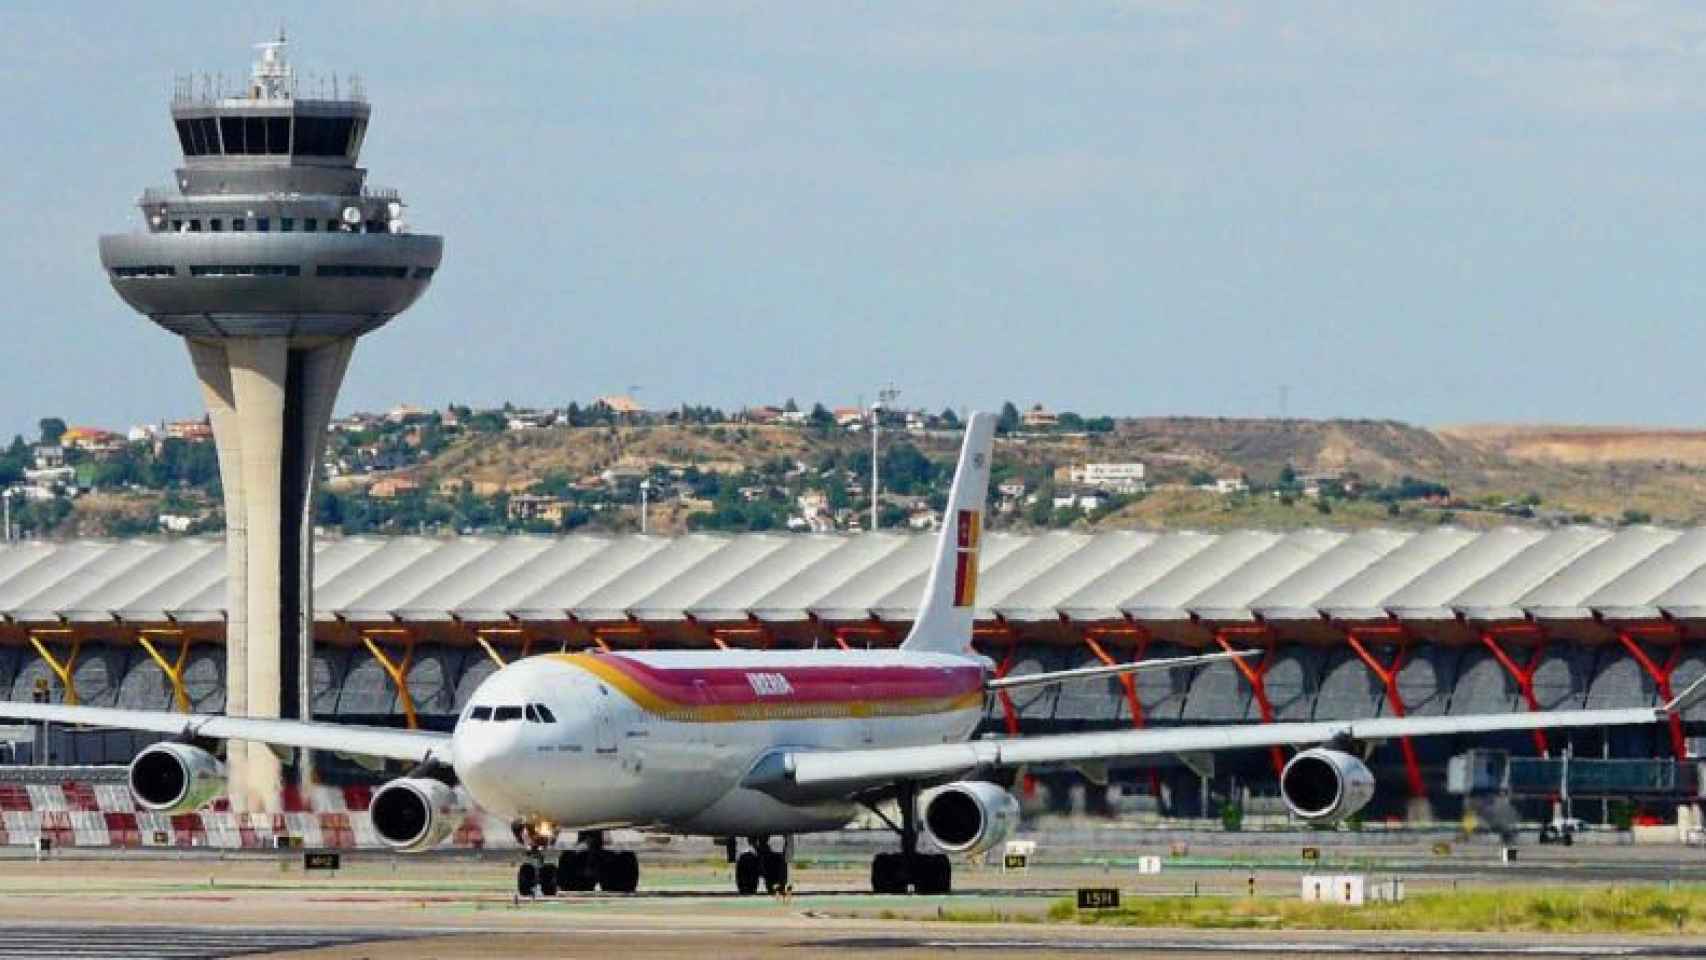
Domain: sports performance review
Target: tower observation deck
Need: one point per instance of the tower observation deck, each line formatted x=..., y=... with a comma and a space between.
x=269, y=256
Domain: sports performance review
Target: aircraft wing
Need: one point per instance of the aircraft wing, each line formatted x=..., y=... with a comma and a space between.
x=1113, y=670
x=803, y=773
x=382, y=742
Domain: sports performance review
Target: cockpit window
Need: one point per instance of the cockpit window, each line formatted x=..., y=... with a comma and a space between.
x=545, y=713
x=532, y=714
x=506, y=713
x=481, y=713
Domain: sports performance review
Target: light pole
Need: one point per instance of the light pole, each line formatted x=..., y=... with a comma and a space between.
x=645, y=489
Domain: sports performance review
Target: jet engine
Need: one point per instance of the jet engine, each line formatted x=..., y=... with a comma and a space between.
x=1325, y=785
x=175, y=778
x=968, y=817
x=415, y=813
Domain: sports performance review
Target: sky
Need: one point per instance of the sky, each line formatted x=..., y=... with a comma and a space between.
x=1435, y=212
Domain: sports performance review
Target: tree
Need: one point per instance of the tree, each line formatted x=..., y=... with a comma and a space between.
x=790, y=406
x=948, y=417
x=1009, y=419
x=52, y=428
x=820, y=416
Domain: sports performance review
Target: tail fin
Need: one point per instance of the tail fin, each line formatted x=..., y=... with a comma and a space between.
x=949, y=605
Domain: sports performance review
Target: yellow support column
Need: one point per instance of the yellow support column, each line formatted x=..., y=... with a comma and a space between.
x=398, y=672
x=174, y=671
x=491, y=651
x=61, y=670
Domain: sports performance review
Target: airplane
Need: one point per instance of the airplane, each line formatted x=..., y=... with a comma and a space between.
x=767, y=745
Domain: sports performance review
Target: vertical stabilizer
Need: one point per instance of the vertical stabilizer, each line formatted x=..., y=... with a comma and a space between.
x=949, y=604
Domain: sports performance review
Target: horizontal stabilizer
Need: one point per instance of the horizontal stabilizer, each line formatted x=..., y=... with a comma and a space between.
x=1115, y=669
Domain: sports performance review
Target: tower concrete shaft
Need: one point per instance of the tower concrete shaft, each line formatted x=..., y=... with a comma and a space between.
x=269, y=401
x=270, y=256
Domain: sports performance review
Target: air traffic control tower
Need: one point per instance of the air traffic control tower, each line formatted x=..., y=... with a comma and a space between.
x=269, y=257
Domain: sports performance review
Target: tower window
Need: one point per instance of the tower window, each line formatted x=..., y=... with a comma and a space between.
x=151, y=270
x=286, y=224
x=361, y=270
x=309, y=225
x=263, y=224
x=195, y=226
x=246, y=270
x=215, y=225
x=423, y=273
x=238, y=224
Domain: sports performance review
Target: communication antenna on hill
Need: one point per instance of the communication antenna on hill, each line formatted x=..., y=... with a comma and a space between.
x=885, y=399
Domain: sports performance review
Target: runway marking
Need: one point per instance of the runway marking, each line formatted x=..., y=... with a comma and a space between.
x=97, y=942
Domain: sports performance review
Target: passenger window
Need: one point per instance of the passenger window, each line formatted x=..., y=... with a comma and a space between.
x=481, y=713
x=545, y=713
x=503, y=714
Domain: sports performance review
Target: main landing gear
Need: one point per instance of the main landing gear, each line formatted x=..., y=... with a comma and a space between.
x=760, y=865
x=590, y=866
x=910, y=870
x=587, y=867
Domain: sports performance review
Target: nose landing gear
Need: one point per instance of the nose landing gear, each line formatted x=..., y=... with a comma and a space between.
x=535, y=876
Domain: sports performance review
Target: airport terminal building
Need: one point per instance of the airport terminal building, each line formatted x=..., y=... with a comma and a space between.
x=1361, y=624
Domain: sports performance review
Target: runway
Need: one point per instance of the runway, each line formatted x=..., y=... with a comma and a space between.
x=382, y=907
x=211, y=941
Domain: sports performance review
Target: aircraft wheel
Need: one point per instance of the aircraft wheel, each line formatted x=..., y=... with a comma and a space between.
x=526, y=879
x=932, y=873
x=775, y=869
x=619, y=872
x=547, y=881
x=748, y=871
x=574, y=871
x=887, y=875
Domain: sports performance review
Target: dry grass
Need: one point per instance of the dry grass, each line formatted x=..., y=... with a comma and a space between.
x=1591, y=910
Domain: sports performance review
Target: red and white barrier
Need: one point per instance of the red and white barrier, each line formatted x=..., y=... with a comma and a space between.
x=80, y=814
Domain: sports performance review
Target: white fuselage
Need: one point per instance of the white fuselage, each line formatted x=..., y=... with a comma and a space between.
x=664, y=740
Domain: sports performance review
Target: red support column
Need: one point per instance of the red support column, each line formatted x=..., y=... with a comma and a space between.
x=1140, y=647
x=1660, y=673
x=1388, y=676
x=1127, y=681
x=1256, y=676
x=1523, y=674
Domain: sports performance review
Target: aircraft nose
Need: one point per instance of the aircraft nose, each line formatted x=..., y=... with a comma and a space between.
x=486, y=760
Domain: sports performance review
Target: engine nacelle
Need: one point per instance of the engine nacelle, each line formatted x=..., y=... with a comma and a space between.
x=415, y=813
x=968, y=817
x=175, y=778
x=1325, y=785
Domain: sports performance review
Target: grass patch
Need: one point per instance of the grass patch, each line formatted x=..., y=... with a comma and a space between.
x=1620, y=909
